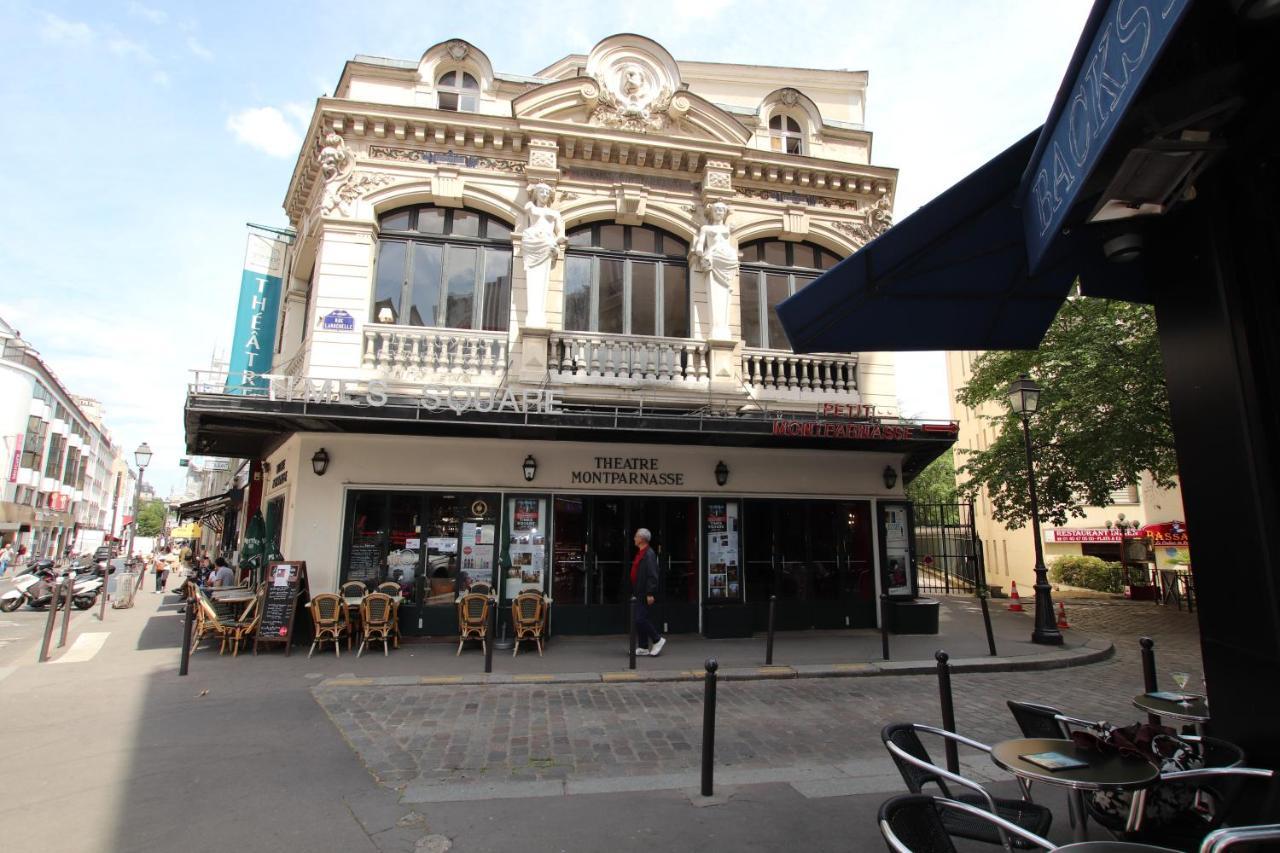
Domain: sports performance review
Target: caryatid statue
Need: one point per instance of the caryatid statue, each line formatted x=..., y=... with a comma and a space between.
x=542, y=242
x=715, y=256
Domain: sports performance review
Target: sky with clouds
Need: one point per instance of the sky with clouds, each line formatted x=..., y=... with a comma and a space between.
x=139, y=138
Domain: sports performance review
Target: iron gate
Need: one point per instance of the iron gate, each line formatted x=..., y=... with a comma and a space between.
x=948, y=551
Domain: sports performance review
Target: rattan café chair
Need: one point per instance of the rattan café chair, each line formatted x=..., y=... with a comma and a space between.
x=473, y=620
x=328, y=612
x=377, y=615
x=529, y=615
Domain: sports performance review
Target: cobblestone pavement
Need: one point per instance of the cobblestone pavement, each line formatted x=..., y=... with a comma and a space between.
x=425, y=738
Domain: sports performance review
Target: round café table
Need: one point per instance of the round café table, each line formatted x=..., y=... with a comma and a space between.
x=1195, y=711
x=1104, y=771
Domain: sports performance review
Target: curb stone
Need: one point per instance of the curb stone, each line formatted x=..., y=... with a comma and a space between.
x=1093, y=651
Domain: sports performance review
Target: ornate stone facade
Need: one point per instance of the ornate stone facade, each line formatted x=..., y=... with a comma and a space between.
x=625, y=134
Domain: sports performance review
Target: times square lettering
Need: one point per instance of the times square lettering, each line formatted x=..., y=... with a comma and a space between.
x=375, y=394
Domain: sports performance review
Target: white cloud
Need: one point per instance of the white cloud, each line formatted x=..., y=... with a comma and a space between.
x=155, y=16
x=198, y=50
x=300, y=112
x=160, y=79
x=266, y=129
x=121, y=46
x=68, y=32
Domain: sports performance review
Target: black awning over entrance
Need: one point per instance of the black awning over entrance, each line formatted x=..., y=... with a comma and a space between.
x=212, y=506
x=249, y=427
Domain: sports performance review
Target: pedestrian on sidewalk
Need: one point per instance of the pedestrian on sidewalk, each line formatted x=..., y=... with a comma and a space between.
x=644, y=585
x=162, y=574
x=6, y=557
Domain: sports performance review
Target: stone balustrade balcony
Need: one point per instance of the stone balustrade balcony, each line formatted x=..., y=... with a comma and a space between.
x=418, y=353
x=589, y=358
x=781, y=376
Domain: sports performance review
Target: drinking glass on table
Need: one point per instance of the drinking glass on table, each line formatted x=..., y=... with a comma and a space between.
x=1181, y=679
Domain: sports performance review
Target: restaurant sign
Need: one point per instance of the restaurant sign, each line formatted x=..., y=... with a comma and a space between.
x=872, y=430
x=1082, y=534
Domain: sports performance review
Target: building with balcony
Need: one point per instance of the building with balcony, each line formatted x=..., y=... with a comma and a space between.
x=1010, y=554
x=522, y=316
x=60, y=463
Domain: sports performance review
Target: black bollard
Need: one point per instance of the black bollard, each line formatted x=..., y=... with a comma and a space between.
x=986, y=620
x=768, y=645
x=188, y=624
x=48, y=627
x=709, y=727
x=948, y=709
x=631, y=633
x=66, y=613
x=884, y=626
x=1149, y=672
x=493, y=634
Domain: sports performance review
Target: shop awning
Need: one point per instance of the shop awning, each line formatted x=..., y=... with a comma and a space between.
x=986, y=264
x=209, y=510
x=953, y=275
x=186, y=531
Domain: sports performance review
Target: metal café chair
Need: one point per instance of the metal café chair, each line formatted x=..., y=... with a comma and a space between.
x=1224, y=839
x=918, y=823
x=917, y=769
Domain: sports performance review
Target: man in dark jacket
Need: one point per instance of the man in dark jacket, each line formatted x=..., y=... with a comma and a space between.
x=644, y=584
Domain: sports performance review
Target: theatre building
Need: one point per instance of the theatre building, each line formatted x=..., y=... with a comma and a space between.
x=517, y=317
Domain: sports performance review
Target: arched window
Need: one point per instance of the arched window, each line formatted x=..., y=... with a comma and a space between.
x=443, y=267
x=457, y=91
x=785, y=135
x=771, y=271
x=626, y=279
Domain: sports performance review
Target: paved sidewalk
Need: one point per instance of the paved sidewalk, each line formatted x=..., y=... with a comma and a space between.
x=275, y=752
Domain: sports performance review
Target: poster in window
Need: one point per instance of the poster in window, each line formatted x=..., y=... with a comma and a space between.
x=525, y=515
x=724, y=581
x=897, y=551
x=526, y=543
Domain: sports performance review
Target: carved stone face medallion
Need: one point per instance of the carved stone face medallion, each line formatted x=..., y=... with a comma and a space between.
x=458, y=50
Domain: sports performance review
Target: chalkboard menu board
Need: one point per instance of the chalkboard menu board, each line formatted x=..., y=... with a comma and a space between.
x=286, y=583
x=365, y=563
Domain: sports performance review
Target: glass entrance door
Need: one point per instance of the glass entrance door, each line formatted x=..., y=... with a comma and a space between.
x=593, y=551
x=815, y=556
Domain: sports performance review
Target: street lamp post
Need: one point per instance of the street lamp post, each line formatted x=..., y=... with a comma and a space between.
x=1024, y=397
x=142, y=456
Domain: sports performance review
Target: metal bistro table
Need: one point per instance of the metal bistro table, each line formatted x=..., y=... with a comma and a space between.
x=1195, y=711
x=1105, y=772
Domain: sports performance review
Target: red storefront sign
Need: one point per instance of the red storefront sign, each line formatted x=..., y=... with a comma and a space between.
x=17, y=458
x=1082, y=534
x=1169, y=533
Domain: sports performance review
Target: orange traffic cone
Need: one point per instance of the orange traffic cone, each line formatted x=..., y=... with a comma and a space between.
x=1015, y=602
x=1062, y=615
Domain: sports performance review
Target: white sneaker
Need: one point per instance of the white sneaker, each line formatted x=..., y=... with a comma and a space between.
x=642, y=653
x=657, y=647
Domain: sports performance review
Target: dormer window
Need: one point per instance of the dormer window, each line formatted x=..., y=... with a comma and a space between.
x=785, y=135
x=458, y=91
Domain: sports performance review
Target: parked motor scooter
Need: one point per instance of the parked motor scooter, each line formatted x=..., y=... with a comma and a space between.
x=35, y=583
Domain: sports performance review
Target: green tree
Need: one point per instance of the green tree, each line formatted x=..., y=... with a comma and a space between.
x=1103, y=417
x=936, y=484
x=151, y=518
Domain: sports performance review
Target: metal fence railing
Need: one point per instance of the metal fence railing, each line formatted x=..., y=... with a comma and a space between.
x=949, y=555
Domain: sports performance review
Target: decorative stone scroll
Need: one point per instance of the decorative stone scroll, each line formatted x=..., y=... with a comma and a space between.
x=628, y=98
x=340, y=196
x=879, y=220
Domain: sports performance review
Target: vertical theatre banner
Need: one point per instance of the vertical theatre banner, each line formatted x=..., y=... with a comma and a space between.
x=260, y=287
